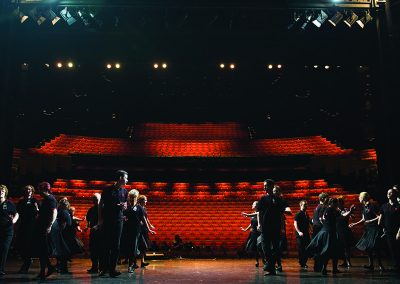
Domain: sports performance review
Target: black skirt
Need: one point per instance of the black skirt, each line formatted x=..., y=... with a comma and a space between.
x=369, y=240
x=251, y=242
x=324, y=244
x=144, y=241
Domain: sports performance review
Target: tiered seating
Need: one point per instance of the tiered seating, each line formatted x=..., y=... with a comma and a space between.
x=68, y=144
x=368, y=154
x=204, y=213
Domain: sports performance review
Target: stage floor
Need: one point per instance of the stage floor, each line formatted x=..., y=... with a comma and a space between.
x=204, y=271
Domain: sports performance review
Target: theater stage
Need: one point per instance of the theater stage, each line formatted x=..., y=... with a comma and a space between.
x=204, y=271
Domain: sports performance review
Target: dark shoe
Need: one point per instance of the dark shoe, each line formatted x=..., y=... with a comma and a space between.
x=50, y=270
x=324, y=272
x=93, y=270
x=279, y=268
x=303, y=268
x=115, y=274
x=270, y=273
x=102, y=273
x=131, y=269
x=144, y=264
x=257, y=264
x=381, y=268
x=266, y=267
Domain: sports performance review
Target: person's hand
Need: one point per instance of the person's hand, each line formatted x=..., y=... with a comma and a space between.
x=351, y=225
x=48, y=230
x=152, y=232
x=259, y=228
x=300, y=234
x=244, y=214
x=243, y=229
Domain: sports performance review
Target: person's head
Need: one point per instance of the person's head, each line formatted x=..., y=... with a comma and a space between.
x=64, y=204
x=96, y=198
x=392, y=194
x=133, y=196
x=303, y=205
x=28, y=190
x=121, y=177
x=277, y=191
x=333, y=202
x=3, y=191
x=254, y=205
x=323, y=198
x=142, y=200
x=364, y=197
x=269, y=185
x=44, y=188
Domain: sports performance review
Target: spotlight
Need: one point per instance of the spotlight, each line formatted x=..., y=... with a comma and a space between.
x=108, y=66
x=270, y=66
x=222, y=66
x=321, y=18
x=315, y=66
x=164, y=65
x=59, y=65
x=21, y=16
x=351, y=19
x=66, y=15
x=47, y=65
x=36, y=16
x=70, y=64
x=232, y=66
x=84, y=17
x=308, y=19
x=155, y=66
x=364, y=20
x=49, y=14
x=296, y=18
x=336, y=19
x=327, y=67
x=279, y=66
x=117, y=65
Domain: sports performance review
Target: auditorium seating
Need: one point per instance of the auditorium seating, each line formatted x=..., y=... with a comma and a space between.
x=207, y=214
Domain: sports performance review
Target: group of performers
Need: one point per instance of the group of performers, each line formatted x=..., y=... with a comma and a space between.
x=331, y=237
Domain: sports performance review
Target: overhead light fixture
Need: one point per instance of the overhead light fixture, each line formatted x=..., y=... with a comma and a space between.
x=49, y=14
x=232, y=66
x=279, y=66
x=21, y=16
x=222, y=66
x=70, y=64
x=108, y=66
x=321, y=18
x=308, y=19
x=84, y=17
x=36, y=16
x=66, y=15
x=296, y=18
x=164, y=65
x=155, y=66
x=364, y=20
x=270, y=66
x=351, y=19
x=335, y=20
x=117, y=65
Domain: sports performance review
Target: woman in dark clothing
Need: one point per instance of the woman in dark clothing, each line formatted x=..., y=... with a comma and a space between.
x=346, y=239
x=325, y=243
x=74, y=244
x=302, y=224
x=64, y=220
x=144, y=240
x=8, y=217
x=370, y=240
x=251, y=242
x=28, y=210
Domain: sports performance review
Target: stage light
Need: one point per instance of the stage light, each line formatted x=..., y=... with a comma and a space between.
x=327, y=67
x=49, y=14
x=85, y=19
x=108, y=66
x=66, y=15
x=308, y=19
x=36, y=16
x=321, y=18
x=279, y=66
x=232, y=66
x=315, y=66
x=335, y=20
x=59, y=65
x=222, y=66
x=270, y=66
x=351, y=19
x=47, y=65
x=364, y=20
x=164, y=65
x=296, y=18
x=117, y=65
x=155, y=66
x=21, y=16
x=70, y=64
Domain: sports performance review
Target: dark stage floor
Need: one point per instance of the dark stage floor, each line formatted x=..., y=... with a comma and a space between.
x=204, y=271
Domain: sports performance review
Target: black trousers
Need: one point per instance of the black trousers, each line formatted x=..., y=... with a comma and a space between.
x=394, y=249
x=95, y=247
x=6, y=236
x=270, y=245
x=302, y=243
x=43, y=249
x=112, y=232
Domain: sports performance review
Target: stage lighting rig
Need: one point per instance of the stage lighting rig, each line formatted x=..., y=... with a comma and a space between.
x=49, y=14
x=36, y=16
x=335, y=20
x=67, y=16
x=21, y=16
x=351, y=19
x=321, y=18
x=364, y=20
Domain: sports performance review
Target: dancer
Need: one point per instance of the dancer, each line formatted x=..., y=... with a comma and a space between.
x=390, y=219
x=144, y=243
x=28, y=209
x=370, y=240
x=325, y=243
x=62, y=250
x=317, y=225
x=70, y=233
x=8, y=217
x=302, y=224
x=112, y=203
x=45, y=221
x=251, y=242
x=94, y=236
x=345, y=235
x=270, y=208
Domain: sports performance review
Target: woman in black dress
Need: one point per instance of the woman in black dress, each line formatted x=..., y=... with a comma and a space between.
x=346, y=239
x=325, y=243
x=28, y=210
x=370, y=240
x=144, y=240
x=64, y=220
x=8, y=217
x=74, y=244
x=251, y=242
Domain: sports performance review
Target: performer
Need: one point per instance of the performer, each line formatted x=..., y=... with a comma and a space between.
x=270, y=208
x=251, y=242
x=61, y=248
x=70, y=233
x=28, y=209
x=325, y=243
x=145, y=243
x=46, y=219
x=345, y=235
x=8, y=217
x=370, y=240
x=112, y=203
x=390, y=219
x=302, y=224
x=94, y=236
x=317, y=225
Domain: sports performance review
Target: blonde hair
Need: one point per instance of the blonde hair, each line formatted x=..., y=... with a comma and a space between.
x=3, y=187
x=134, y=193
x=364, y=196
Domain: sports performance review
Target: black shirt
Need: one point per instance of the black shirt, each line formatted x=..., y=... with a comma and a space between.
x=28, y=210
x=370, y=211
x=49, y=203
x=317, y=214
x=64, y=217
x=303, y=222
x=112, y=198
x=135, y=218
x=271, y=208
x=7, y=209
x=92, y=216
x=391, y=217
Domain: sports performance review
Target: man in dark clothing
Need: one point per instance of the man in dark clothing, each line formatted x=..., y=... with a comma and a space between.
x=270, y=208
x=390, y=218
x=302, y=224
x=317, y=225
x=92, y=218
x=112, y=203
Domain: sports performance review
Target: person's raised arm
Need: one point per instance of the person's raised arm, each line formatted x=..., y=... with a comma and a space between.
x=245, y=229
